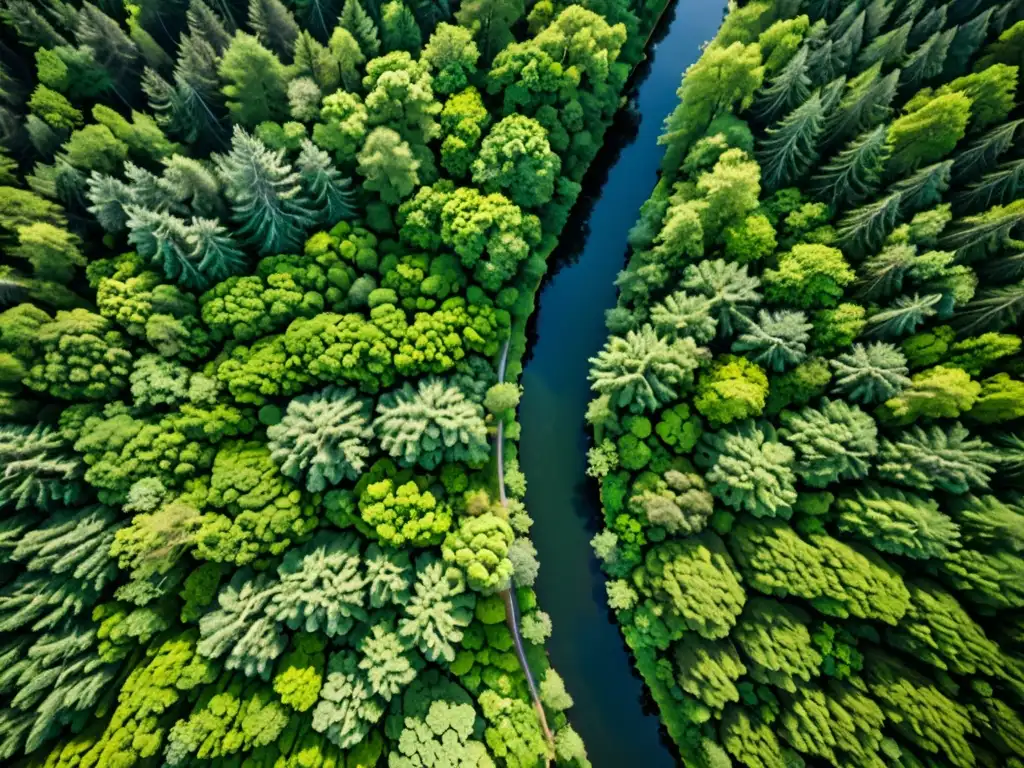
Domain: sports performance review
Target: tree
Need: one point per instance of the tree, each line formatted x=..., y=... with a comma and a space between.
x=732, y=291
x=348, y=708
x=39, y=470
x=833, y=442
x=479, y=547
x=928, y=59
x=777, y=340
x=82, y=356
x=682, y=315
x=871, y=373
x=389, y=165
x=939, y=631
x=265, y=194
x=400, y=97
x=898, y=523
x=644, y=370
x=342, y=126
x=274, y=25
x=919, y=711
x=865, y=105
x=749, y=740
x=321, y=587
x=887, y=49
x=708, y=670
x=791, y=148
x=939, y=392
x=808, y=276
x=443, y=734
x=491, y=23
x=732, y=388
x=322, y=438
x=777, y=645
x=787, y=90
x=463, y=121
x=948, y=459
x=838, y=579
x=452, y=57
x=398, y=27
x=694, y=584
x=359, y=24
x=254, y=511
x=678, y=502
x=433, y=423
x=854, y=173
x=438, y=611
x=748, y=469
x=1005, y=50
x=927, y=133
x=240, y=627
x=722, y=80
x=864, y=229
x=819, y=723
x=403, y=515
x=516, y=159
x=256, y=82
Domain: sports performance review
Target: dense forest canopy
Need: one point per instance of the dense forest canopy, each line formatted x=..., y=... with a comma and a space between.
x=262, y=261
x=806, y=418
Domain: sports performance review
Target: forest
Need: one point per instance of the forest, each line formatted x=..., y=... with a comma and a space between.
x=265, y=277
x=806, y=416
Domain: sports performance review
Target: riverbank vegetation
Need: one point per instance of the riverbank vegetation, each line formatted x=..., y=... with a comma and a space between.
x=806, y=417
x=260, y=262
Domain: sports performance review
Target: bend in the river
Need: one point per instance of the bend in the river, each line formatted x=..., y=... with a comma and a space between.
x=618, y=725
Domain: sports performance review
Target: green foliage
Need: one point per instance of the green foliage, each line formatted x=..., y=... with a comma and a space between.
x=732, y=388
x=898, y=523
x=479, y=547
x=776, y=641
x=322, y=438
x=833, y=442
x=937, y=457
x=693, y=584
x=748, y=469
x=808, y=276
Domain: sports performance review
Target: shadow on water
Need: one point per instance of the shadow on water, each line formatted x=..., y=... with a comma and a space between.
x=612, y=713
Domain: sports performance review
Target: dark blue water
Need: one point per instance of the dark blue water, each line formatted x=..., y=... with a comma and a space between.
x=617, y=723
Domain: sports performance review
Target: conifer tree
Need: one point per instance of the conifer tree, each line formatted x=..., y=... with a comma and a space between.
x=791, y=148
x=330, y=193
x=359, y=24
x=787, y=90
x=887, y=49
x=1000, y=187
x=927, y=61
x=866, y=104
x=274, y=25
x=864, y=229
x=982, y=154
x=855, y=172
x=265, y=194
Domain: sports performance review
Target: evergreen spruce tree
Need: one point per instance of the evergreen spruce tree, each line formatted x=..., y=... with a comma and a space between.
x=865, y=105
x=927, y=61
x=855, y=172
x=330, y=193
x=361, y=27
x=887, y=50
x=864, y=229
x=787, y=90
x=982, y=154
x=1002, y=186
x=265, y=194
x=968, y=40
x=791, y=148
x=274, y=25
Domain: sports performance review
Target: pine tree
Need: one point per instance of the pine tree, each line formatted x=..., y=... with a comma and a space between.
x=32, y=26
x=163, y=239
x=776, y=341
x=926, y=26
x=318, y=17
x=924, y=188
x=214, y=251
x=888, y=50
x=361, y=27
x=274, y=25
x=205, y=23
x=398, y=28
x=430, y=13
x=968, y=40
x=897, y=523
x=865, y=105
x=937, y=458
x=878, y=13
x=993, y=309
x=39, y=468
x=1000, y=187
x=265, y=194
x=903, y=316
x=927, y=61
x=791, y=148
x=864, y=229
x=112, y=49
x=855, y=172
x=330, y=193
x=985, y=233
x=871, y=374
x=983, y=153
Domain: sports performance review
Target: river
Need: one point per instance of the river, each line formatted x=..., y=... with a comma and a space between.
x=617, y=721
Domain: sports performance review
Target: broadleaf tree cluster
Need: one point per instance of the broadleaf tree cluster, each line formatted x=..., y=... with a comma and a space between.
x=260, y=260
x=806, y=417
